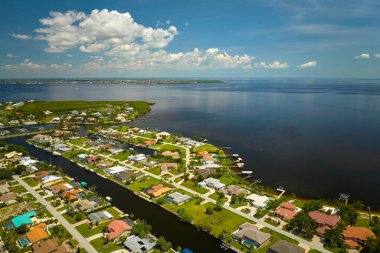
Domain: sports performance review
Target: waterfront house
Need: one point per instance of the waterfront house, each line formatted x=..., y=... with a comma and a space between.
x=23, y=219
x=59, y=188
x=85, y=205
x=37, y=233
x=258, y=200
x=150, y=142
x=40, y=138
x=177, y=198
x=93, y=159
x=250, y=236
x=99, y=217
x=49, y=246
x=51, y=179
x=234, y=190
x=104, y=165
x=117, y=228
x=282, y=246
x=205, y=173
x=136, y=244
x=71, y=195
x=55, y=120
x=212, y=183
x=137, y=158
x=324, y=221
x=157, y=190
x=14, y=122
x=286, y=211
x=208, y=165
x=125, y=175
x=41, y=174
x=356, y=236
x=116, y=169
x=162, y=135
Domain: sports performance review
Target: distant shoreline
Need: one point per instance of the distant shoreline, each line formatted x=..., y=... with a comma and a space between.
x=108, y=81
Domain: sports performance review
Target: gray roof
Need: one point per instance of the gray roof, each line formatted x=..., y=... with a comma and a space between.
x=139, y=245
x=98, y=216
x=178, y=198
x=249, y=231
x=282, y=246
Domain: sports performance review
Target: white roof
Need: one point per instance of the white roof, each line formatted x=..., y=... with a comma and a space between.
x=116, y=169
x=106, y=213
x=27, y=161
x=50, y=178
x=258, y=200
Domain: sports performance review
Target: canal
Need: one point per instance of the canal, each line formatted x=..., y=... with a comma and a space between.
x=163, y=222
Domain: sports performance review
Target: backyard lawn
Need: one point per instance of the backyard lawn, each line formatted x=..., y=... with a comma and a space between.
x=88, y=231
x=105, y=248
x=193, y=186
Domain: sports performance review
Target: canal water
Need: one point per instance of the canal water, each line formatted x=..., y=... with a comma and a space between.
x=163, y=222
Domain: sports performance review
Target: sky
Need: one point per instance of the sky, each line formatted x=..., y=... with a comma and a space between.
x=198, y=38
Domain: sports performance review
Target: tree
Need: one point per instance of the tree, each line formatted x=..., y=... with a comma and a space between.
x=163, y=244
x=372, y=245
x=312, y=205
x=141, y=229
x=304, y=224
x=333, y=238
x=348, y=214
x=209, y=210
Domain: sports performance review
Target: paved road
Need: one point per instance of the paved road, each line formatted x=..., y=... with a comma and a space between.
x=312, y=245
x=83, y=242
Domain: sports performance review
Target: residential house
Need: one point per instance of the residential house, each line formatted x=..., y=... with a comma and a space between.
x=41, y=174
x=37, y=233
x=116, y=169
x=59, y=188
x=356, y=236
x=55, y=120
x=234, y=190
x=258, y=200
x=150, y=142
x=125, y=175
x=85, y=205
x=136, y=244
x=14, y=122
x=286, y=211
x=169, y=166
x=71, y=195
x=99, y=217
x=49, y=246
x=212, y=183
x=8, y=198
x=51, y=179
x=282, y=246
x=23, y=219
x=162, y=135
x=174, y=154
x=205, y=173
x=117, y=228
x=250, y=236
x=157, y=190
x=177, y=198
x=324, y=221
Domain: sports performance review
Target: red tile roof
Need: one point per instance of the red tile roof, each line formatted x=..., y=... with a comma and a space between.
x=288, y=205
x=360, y=233
x=325, y=219
x=116, y=228
x=351, y=243
x=286, y=214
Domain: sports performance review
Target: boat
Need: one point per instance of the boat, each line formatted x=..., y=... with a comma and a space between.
x=108, y=198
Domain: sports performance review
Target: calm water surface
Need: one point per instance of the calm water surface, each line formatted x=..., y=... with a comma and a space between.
x=315, y=137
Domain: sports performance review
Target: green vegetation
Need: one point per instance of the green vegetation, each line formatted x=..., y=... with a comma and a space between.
x=144, y=183
x=102, y=245
x=18, y=189
x=31, y=181
x=193, y=186
x=87, y=230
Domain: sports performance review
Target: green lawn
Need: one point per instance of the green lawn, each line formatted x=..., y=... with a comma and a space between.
x=88, y=231
x=18, y=189
x=207, y=147
x=72, y=219
x=155, y=170
x=362, y=221
x=216, y=197
x=31, y=181
x=143, y=183
x=105, y=248
x=79, y=141
x=193, y=186
x=218, y=221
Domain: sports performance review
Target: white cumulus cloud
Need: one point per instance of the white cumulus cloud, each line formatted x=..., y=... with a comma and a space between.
x=309, y=64
x=363, y=56
x=10, y=55
x=273, y=65
x=21, y=36
x=377, y=55
x=29, y=65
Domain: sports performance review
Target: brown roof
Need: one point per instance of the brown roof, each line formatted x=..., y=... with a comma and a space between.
x=8, y=197
x=233, y=189
x=322, y=230
x=49, y=246
x=174, y=154
x=285, y=213
x=351, y=243
x=116, y=228
x=169, y=166
x=41, y=174
x=288, y=205
x=59, y=187
x=325, y=219
x=360, y=233
x=71, y=195
x=37, y=233
x=157, y=190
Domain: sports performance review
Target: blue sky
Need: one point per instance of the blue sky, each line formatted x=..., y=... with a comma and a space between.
x=141, y=38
